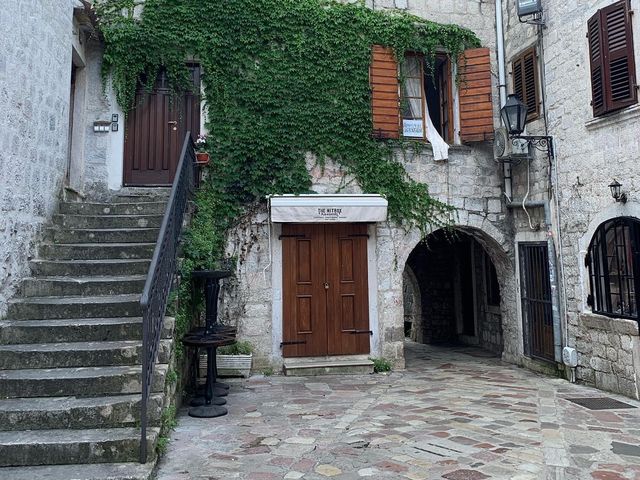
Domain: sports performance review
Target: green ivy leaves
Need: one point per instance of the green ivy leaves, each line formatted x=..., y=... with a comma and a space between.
x=282, y=78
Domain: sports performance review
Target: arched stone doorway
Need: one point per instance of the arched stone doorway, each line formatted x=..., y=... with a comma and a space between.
x=452, y=293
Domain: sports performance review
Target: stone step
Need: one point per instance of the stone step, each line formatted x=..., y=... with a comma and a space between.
x=96, y=251
x=125, y=208
x=48, y=413
x=85, y=286
x=74, y=307
x=108, y=221
x=104, y=267
x=60, y=447
x=97, y=471
x=13, y=332
x=76, y=354
x=310, y=367
x=103, y=235
x=91, y=381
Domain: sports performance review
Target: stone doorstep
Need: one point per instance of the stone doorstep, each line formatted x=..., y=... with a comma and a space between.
x=327, y=366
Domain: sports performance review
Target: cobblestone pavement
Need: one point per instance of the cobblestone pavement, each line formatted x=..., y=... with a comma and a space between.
x=453, y=414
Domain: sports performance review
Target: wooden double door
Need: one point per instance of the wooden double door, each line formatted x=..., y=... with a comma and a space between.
x=325, y=290
x=155, y=131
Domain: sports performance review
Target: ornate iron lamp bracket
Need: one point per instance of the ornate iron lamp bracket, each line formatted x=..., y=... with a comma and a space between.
x=539, y=142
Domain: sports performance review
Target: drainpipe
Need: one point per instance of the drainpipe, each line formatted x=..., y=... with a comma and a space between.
x=502, y=88
x=553, y=275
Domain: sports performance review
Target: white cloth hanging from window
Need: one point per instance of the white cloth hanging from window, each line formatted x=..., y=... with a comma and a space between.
x=439, y=146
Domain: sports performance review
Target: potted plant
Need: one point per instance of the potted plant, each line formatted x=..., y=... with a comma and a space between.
x=233, y=360
x=202, y=156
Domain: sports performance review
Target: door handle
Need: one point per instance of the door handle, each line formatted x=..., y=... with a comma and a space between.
x=174, y=123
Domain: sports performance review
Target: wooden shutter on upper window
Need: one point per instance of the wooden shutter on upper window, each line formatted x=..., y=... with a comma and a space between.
x=385, y=98
x=613, y=79
x=525, y=82
x=595, y=57
x=476, y=107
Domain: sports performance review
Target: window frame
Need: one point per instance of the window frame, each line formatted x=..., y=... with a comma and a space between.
x=600, y=298
x=522, y=57
x=448, y=134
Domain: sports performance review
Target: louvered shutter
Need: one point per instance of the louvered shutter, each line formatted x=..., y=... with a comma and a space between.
x=530, y=84
x=618, y=59
x=474, y=89
x=594, y=35
x=385, y=98
x=613, y=80
x=525, y=82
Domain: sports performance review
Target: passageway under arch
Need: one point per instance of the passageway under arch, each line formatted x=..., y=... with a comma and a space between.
x=451, y=292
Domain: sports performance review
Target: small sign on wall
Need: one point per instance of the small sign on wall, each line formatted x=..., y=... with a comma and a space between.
x=412, y=128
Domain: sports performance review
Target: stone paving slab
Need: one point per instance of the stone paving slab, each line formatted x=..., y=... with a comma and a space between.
x=450, y=415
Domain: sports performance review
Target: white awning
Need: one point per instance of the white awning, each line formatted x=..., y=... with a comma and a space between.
x=321, y=208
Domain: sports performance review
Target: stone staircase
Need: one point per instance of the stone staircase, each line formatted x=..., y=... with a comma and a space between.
x=70, y=347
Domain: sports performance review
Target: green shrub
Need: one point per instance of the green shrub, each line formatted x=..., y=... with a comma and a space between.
x=381, y=365
x=237, y=348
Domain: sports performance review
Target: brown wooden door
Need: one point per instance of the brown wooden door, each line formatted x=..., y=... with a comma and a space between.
x=155, y=130
x=347, y=296
x=325, y=290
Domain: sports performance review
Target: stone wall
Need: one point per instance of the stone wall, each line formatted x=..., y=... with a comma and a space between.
x=590, y=153
x=489, y=316
x=474, y=187
x=35, y=80
x=609, y=353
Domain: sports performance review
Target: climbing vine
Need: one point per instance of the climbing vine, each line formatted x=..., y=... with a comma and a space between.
x=282, y=79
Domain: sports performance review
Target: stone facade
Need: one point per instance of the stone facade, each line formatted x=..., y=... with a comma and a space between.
x=35, y=79
x=590, y=152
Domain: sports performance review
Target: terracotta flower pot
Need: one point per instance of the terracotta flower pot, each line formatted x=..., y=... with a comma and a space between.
x=202, y=158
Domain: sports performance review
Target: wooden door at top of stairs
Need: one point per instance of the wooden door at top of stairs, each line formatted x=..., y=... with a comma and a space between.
x=325, y=290
x=155, y=130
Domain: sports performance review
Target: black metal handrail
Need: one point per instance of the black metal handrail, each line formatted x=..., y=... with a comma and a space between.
x=160, y=276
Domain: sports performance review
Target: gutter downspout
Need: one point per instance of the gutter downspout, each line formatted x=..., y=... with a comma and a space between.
x=502, y=88
x=553, y=274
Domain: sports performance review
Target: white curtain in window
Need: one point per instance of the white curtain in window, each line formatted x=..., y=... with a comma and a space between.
x=413, y=87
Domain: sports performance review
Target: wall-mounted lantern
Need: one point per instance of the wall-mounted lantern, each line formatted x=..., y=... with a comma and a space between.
x=617, y=193
x=514, y=117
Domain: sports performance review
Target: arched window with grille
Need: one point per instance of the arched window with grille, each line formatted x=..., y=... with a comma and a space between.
x=613, y=262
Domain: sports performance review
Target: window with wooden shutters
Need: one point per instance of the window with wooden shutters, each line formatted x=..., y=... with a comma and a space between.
x=525, y=82
x=385, y=97
x=613, y=79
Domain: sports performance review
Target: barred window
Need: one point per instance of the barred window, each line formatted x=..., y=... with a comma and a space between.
x=612, y=260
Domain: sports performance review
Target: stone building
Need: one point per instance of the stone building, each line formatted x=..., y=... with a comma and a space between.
x=590, y=110
x=541, y=256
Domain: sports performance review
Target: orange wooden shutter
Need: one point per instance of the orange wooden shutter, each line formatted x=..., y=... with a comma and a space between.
x=476, y=107
x=385, y=98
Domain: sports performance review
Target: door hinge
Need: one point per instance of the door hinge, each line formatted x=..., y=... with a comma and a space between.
x=359, y=332
x=294, y=342
x=292, y=235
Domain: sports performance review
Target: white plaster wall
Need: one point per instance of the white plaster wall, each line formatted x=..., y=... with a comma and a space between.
x=35, y=80
x=104, y=151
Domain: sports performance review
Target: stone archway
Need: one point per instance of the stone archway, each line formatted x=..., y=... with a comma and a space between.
x=393, y=247
x=455, y=281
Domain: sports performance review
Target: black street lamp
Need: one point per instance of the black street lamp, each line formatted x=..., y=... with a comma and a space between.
x=617, y=193
x=514, y=117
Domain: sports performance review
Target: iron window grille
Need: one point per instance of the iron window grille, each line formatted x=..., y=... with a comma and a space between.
x=613, y=259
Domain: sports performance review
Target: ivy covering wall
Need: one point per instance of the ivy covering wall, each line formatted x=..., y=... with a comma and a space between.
x=282, y=78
